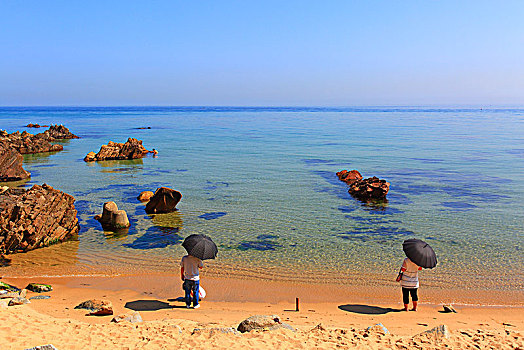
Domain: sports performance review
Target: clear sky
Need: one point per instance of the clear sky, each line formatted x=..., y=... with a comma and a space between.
x=261, y=53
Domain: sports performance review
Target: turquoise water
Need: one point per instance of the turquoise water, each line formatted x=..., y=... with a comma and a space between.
x=261, y=182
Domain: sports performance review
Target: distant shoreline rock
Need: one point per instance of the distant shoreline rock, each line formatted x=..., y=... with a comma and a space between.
x=35, y=218
x=131, y=149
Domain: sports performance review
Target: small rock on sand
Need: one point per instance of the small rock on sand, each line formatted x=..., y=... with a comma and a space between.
x=39, y=287
x=437, y=333
x=96, y=307
x=18, y=301
x=133, y=317
x=262, y=322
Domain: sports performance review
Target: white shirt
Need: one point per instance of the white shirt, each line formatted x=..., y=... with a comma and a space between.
x=409, y=274
x=191, y=265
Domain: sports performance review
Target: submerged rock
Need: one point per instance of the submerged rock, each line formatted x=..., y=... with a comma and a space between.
x=96, y=307
x=163, y=201
x=39, y=287
x=11, y=164
x=112, y=218
x=35, y=218
x=368, y=189
x=132, y=149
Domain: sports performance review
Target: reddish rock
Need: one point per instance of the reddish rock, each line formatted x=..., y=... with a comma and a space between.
x=11, y=164
x=59, y=132
x=163, y=201
x=349, y=176
x=371, y=188
x=132, y=149
x=35, y=218
x=36, y=126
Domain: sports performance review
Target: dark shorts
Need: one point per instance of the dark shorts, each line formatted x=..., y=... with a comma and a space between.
x=406, y=292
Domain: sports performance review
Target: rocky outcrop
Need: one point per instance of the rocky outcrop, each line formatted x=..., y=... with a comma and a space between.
x=163, y=201
x=368, y=189
x=59, y=132
x=27, y=143
x=35, y=218
x=132, y=149
x=96, y=307
x=11, y=164
x=112, y=218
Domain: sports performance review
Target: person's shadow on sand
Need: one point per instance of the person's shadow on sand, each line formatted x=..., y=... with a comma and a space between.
x=150, y=305
x=367, y=309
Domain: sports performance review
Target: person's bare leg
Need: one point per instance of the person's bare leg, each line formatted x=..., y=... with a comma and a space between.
x=415, y=303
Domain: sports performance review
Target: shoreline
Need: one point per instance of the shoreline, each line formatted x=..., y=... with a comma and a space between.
x=233, y=289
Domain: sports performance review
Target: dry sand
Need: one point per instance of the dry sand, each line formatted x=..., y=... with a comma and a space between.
x=168, y=324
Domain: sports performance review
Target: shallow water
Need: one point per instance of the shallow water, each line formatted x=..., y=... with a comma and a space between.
x=261, y=182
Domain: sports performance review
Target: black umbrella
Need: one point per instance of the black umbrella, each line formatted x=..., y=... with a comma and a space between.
x=200, y=246
x=420, y=253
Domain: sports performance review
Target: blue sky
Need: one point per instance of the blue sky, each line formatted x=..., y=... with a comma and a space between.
x=262, y=53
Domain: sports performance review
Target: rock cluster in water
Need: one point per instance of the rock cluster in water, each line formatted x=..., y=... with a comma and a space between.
x=368, y=189
x=112, y=218
x=132, y=149
x=35, y=218
x=59, y=132
x=31, y=125
x=27, y=143
x=163, y=201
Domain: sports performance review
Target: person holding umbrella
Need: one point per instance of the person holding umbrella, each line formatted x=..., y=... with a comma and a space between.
x=198, y=247
x=419, y=254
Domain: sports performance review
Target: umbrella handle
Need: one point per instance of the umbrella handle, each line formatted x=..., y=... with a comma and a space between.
x=399, y=277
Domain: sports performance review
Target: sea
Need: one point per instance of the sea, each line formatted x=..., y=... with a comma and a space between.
x=261, y=182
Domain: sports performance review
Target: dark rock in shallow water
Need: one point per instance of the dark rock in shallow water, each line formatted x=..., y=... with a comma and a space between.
x=35, y=218
x=368, y=189
x=132, y=149
x=163, y=201
x=11, y=164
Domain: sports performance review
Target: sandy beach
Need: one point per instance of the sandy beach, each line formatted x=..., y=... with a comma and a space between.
x=339, y=322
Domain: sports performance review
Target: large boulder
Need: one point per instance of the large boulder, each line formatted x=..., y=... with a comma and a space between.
x=27, y=143
x=112, y=218
x=59, y=132
x=35, y=218
x=11, y=164
x=163, y=201
x=96, y=307
x=368, y=189
x=132, y=149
